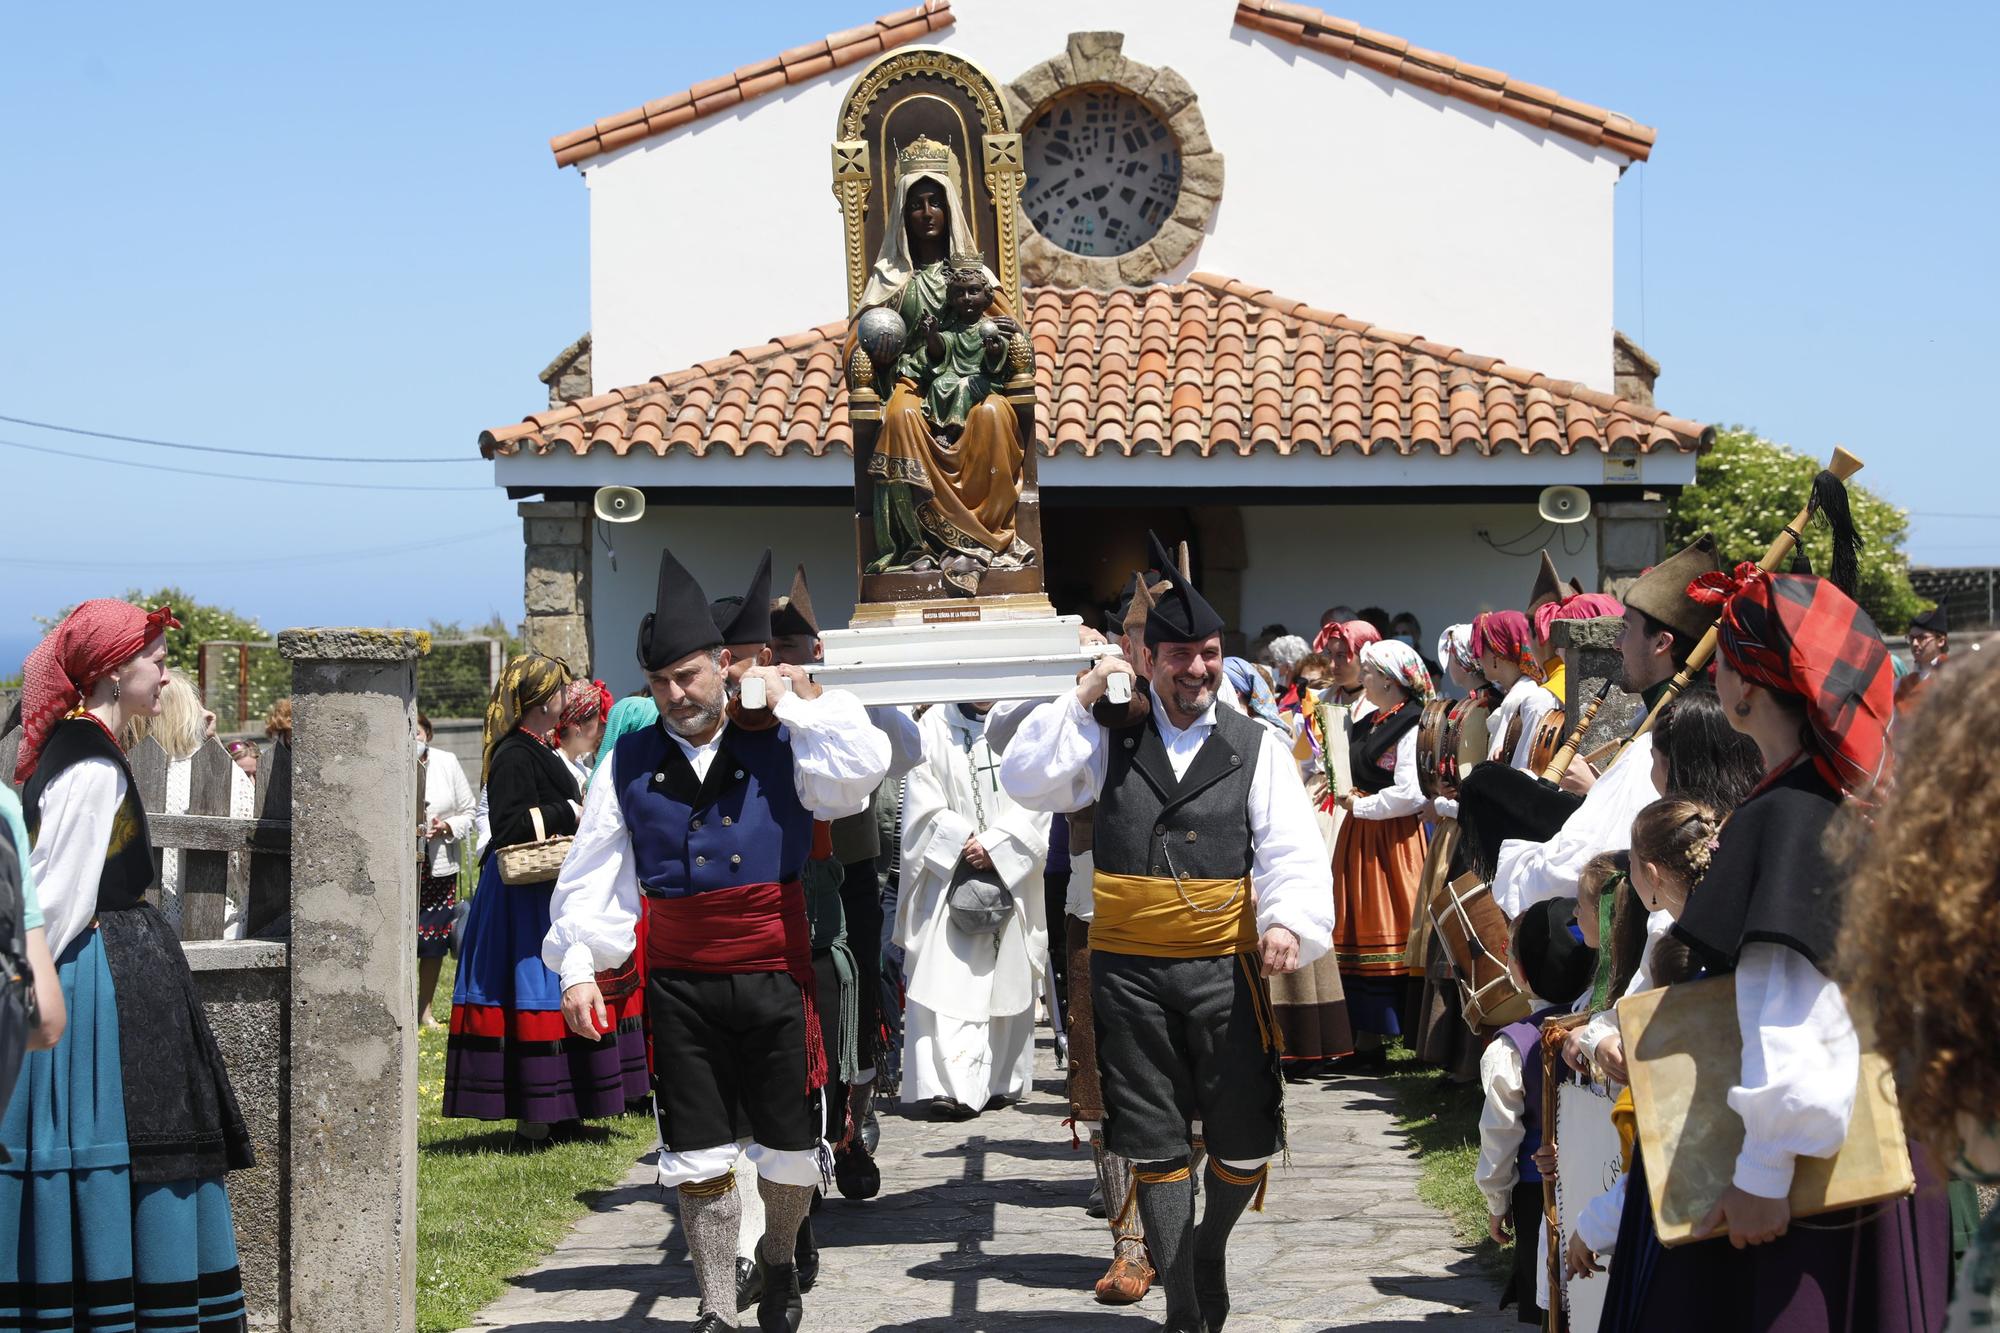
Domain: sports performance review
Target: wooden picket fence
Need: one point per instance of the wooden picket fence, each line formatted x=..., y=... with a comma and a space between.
x=224, y=857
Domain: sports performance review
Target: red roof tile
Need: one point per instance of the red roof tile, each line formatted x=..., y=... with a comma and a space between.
x=1440, y=73
x=752, y=81
x=1208, y=365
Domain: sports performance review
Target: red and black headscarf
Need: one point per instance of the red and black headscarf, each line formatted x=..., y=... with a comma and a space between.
x=583, y=700
x=93, y=641
x=1804, y=637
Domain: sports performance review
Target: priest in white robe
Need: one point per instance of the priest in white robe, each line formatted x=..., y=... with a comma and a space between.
x=969, y=1023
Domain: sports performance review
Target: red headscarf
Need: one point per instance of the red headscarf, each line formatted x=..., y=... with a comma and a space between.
x=1582, y=606
x=93, y=641
x=1805, y=637
x=1355, y=634
x=1505, y=634
x=582, y=701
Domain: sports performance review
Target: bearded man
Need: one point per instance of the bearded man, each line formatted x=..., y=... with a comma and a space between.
x=709, y=816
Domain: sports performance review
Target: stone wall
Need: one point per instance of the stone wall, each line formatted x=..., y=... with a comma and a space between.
x=245, y=991
x=557, y=536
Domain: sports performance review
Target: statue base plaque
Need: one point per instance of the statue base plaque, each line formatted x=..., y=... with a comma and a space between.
x=956, y=653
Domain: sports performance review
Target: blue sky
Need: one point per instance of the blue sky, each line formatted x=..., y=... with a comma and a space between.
x=338, y=231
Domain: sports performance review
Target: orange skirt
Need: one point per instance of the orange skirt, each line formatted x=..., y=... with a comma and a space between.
x=1378, y=866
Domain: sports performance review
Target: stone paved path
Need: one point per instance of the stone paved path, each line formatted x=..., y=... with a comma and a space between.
x=980, y=1229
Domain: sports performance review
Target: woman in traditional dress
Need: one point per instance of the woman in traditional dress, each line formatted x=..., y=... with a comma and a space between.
x=1380, y=860
x=1501, y=639
x=117, y=1139
x=938, y=498
x=510, y=1054
x=1802, y=672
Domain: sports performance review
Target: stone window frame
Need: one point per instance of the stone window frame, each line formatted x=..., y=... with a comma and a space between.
x=1097, y=60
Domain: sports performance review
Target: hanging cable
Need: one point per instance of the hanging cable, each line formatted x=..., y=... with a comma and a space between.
x=218, y=449
x=231, y=476
x=317, y=557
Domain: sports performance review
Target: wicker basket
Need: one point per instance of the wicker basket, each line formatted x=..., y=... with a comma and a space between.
x=534, y=862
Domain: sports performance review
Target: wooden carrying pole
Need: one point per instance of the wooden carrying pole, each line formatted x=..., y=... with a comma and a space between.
x=1842, y=466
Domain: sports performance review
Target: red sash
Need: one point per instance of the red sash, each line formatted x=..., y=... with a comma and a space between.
x=750, y=928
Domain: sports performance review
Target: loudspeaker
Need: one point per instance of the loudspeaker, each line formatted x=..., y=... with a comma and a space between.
x=621, y=504
x=1558, y=504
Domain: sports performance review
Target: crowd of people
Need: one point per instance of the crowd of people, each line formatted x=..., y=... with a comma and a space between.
x=750, y=906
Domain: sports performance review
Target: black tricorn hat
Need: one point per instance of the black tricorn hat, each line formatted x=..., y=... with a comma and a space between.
x=793, y=614
x=679, y=622
x=746, y=619
x=1662, y=591
x=1934, y=621
x=1178, y=612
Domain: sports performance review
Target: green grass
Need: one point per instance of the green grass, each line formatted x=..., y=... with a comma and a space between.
x=483, y=1213
x=1442, y=1122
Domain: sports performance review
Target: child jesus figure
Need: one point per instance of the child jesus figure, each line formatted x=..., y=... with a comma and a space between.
x=954, y=358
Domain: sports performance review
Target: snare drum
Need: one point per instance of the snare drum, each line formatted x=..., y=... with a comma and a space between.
x=1474, y=932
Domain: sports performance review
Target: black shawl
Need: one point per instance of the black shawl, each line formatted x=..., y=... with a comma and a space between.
x=1771, y=879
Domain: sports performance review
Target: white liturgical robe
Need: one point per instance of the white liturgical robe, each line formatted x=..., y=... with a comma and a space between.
x=968, y=1032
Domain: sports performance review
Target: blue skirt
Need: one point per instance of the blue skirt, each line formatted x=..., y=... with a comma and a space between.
x=91, y=1250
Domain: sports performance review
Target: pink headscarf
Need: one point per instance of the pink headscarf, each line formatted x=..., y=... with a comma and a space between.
x=1583, y=606
x=93, y=641
x=1505, y=635
x=1355, y=634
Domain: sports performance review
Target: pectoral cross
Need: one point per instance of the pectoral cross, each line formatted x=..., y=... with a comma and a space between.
x=989, y=768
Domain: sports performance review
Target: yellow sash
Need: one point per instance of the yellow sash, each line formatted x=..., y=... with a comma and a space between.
x=1201, y=918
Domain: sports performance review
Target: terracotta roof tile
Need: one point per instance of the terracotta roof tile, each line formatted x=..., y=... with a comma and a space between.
x=1449, y=77
x=1226, y=367
x=752, y=81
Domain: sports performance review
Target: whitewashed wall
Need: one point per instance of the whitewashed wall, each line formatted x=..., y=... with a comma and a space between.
x=1344, y=188
x=1426, y=560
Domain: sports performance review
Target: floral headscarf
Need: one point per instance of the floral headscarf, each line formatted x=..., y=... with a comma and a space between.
x=1455, y=645
x=524, y=682
x=1803, y=636
x=1259, y=700
x=1402, y=664
x=93, y=641
x=1505, y=634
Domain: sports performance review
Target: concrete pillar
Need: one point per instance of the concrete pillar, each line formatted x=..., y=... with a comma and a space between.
x=557, y=536
x=353, y=999
x=1590, y=648
x=1631, y=539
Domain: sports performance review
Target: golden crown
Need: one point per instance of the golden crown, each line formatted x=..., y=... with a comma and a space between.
x=966, y=260
x=923, y=154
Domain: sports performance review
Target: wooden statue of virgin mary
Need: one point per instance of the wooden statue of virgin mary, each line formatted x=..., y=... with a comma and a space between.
x=947, y=462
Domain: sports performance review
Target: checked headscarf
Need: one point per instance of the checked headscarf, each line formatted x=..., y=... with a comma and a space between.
x=1803, y=636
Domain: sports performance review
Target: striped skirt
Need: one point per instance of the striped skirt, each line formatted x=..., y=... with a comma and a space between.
x=92, y=1249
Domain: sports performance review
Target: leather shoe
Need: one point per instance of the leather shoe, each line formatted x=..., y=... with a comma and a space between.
x=944, y=1108
x=868, y=1129
x=805, y=1256
x=1126, y=1282
x=855, y=1173
x=779, y=1309
x=710, y=1322
x=749, y=1282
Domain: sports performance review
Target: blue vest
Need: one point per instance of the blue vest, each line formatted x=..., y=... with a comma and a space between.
x=743, y=824
x=1527, y=1038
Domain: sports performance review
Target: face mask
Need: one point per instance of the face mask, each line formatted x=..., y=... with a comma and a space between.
x=1409, y=639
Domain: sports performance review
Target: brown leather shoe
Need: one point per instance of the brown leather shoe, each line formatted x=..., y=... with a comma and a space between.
x=1126, y=1282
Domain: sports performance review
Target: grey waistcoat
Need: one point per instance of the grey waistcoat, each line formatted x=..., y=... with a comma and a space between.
x=1199, y=827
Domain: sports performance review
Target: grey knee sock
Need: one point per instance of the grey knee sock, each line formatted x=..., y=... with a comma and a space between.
x=785, y=1207
x=711, y=1212
x=1229, y=1192
x=1166, y=1206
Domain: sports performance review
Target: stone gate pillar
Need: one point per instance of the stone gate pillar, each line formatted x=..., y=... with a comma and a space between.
x=353, y=1002
x=557, y=536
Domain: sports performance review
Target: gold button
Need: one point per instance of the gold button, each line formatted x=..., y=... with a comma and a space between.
x=736, y=860
x=1190, y=835
x=727, y=821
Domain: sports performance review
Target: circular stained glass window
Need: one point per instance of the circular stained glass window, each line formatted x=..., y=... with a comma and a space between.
x=1103, y=172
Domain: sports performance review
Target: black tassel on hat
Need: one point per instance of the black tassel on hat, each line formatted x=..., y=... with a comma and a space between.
x=679, y=623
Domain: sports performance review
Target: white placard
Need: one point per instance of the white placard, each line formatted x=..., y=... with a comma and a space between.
x=1338, y=729
x=1589, y=1163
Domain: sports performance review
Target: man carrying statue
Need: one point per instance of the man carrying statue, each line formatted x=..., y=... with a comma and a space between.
x=934, y=323
x=1210, y=876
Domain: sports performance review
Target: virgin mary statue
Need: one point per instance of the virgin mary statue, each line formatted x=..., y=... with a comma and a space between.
x=946, y=495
